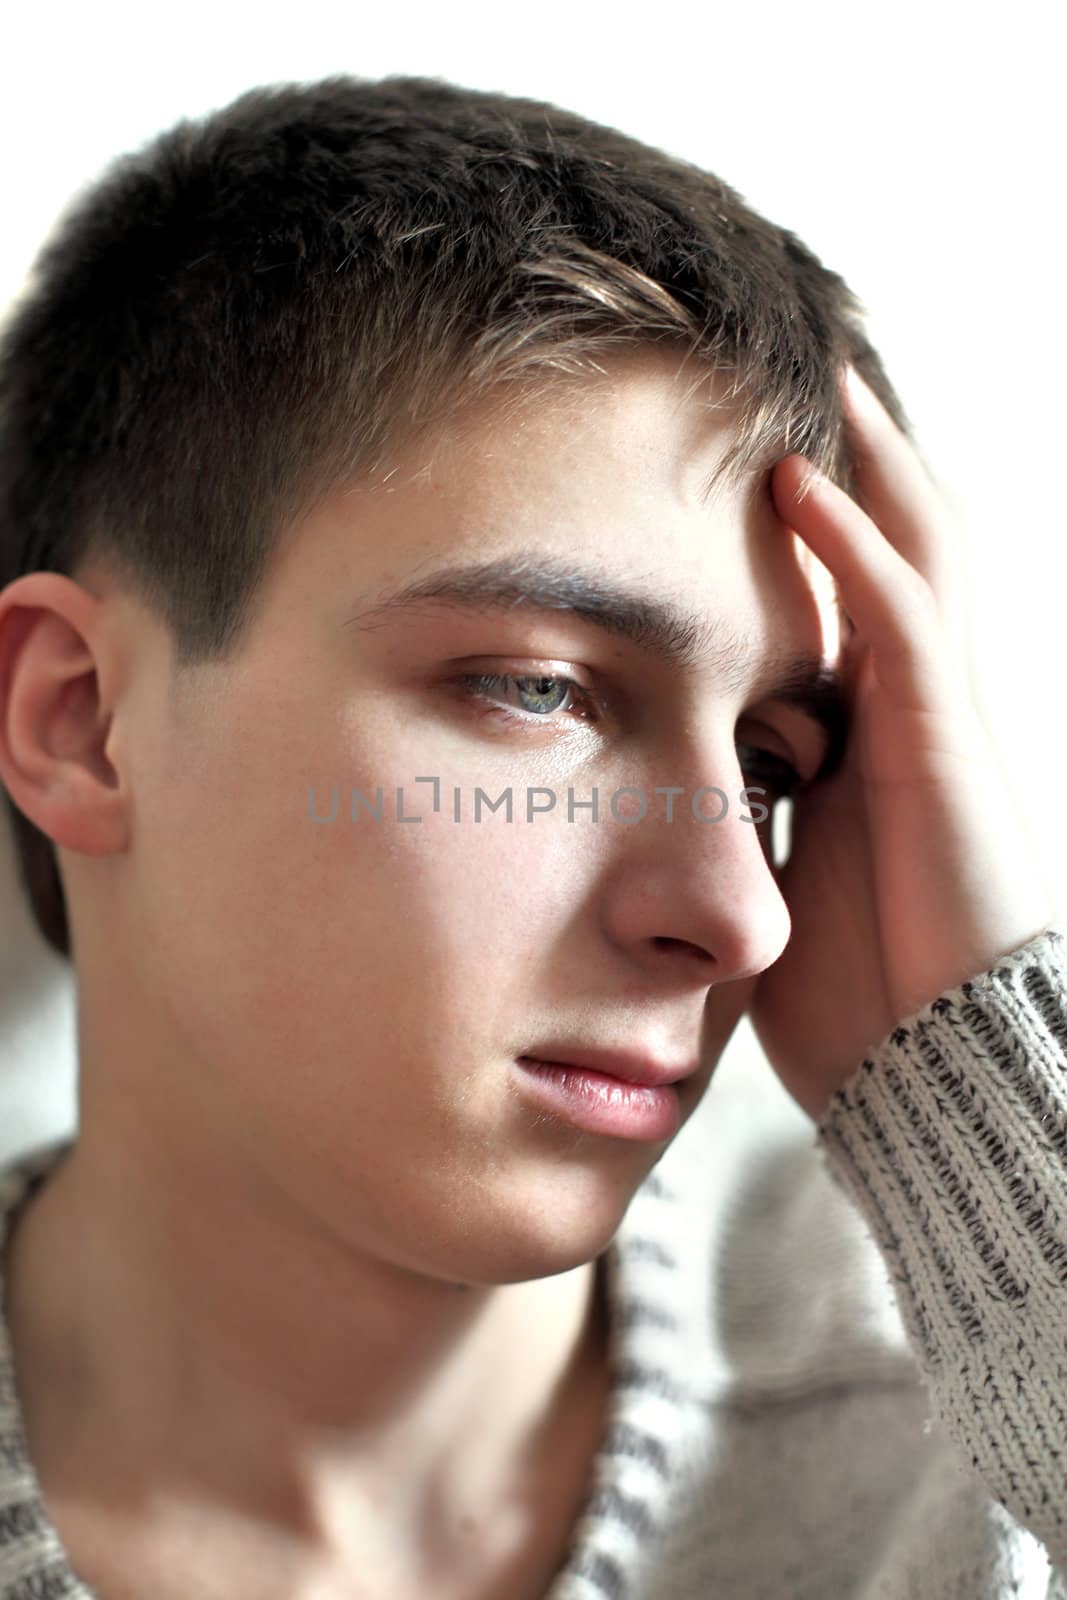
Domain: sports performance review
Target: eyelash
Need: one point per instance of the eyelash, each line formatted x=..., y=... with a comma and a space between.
x=780, y=773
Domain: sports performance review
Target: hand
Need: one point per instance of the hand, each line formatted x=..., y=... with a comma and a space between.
x=911, y=868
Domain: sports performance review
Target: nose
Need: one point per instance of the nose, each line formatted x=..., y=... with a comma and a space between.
x=697, y=894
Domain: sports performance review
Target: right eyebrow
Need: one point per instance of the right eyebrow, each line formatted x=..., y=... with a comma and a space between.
x=681, y=639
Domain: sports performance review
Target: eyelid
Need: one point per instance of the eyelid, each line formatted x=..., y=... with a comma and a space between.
x=807, y=742
x=612, y=702
x=527, y=667
x=783, y=747
x=587, y=708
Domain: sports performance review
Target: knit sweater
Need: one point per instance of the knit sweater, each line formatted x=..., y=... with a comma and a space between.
x=839, y=1358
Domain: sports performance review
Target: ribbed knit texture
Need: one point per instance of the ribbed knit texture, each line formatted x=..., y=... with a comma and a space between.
x=839, y=1361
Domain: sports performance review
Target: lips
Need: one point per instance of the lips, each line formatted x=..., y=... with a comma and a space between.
x=624, y=1066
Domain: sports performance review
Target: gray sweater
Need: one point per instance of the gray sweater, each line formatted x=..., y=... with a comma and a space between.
x=839, y=1357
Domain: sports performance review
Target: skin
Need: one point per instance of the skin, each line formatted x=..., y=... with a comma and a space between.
x=913, y=868
x=312, y=1223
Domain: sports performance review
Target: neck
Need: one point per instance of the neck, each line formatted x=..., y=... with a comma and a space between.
x=191, y=1330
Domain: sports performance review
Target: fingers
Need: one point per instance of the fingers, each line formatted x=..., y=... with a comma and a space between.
x=892, y=606
x=895, y=489
x=901, y=503
x=892, y=484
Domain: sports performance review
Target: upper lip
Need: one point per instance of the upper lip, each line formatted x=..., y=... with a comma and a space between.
x=623, y=1064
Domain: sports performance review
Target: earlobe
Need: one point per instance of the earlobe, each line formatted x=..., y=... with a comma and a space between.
x=54, y=722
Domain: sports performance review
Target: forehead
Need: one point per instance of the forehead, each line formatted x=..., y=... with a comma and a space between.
x=616, y=473
x=673, y=417
x=601, y=459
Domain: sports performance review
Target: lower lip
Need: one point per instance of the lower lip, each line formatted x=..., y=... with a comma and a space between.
x=602, y=1104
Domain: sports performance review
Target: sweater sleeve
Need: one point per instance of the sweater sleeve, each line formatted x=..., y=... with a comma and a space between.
x=951, y=1138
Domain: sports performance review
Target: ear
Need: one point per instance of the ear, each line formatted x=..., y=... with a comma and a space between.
x=55, y=721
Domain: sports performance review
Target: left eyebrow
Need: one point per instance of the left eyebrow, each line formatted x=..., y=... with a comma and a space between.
x=684, y=640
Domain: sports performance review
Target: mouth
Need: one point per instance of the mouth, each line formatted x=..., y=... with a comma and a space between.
x=633, y=1067
x=600, y=1102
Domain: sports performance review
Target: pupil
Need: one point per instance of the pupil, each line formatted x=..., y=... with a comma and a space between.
x=543, y=687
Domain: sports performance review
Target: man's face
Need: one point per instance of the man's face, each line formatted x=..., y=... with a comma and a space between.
x=342, y=1001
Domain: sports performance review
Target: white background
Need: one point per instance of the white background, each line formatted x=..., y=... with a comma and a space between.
x=918, y=149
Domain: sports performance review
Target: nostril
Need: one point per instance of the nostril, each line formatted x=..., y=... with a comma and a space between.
x=664, y=941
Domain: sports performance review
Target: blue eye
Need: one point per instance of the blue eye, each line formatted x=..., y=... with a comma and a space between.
x=539, y=696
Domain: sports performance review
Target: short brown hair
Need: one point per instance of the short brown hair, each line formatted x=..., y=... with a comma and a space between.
x=270, y=299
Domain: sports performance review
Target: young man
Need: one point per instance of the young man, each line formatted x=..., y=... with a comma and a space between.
x=415, y=582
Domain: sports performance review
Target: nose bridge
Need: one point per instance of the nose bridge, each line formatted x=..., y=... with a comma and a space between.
x=714, y=833
x=696, y=868
x=695, y=783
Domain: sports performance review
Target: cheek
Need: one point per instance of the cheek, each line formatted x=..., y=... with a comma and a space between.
x=303, y=933
x=473, y=906
x=306, y=934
